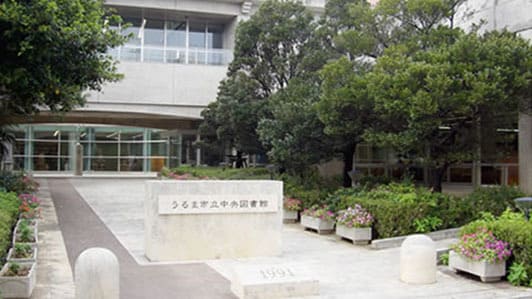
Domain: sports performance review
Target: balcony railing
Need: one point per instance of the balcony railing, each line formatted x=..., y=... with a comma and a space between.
x=172, y=55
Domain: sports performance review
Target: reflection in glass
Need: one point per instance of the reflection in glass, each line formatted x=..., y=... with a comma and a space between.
x=154, y=33
x=176, y=34
x=196, y=35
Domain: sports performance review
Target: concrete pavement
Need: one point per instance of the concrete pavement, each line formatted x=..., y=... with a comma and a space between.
x=82, y=229
x=344, y=270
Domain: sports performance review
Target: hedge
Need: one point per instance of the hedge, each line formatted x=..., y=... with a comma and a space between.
x=9, y=204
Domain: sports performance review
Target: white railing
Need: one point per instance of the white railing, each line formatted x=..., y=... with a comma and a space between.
x=172, y=55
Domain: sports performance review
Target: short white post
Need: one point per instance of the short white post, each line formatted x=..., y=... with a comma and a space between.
x=418, y=260
x=97, y=274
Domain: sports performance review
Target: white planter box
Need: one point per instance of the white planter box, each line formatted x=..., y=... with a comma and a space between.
x=31, y=259
x=35, y=233
x=289, y=216
x=487, y=272
x=18, y=286
x=33, y=223
x=359, y=235
x=317, y=224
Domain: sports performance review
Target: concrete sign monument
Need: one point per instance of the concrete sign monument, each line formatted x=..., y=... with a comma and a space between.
x=207, y=219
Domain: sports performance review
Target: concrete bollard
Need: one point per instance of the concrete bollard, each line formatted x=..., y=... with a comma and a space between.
x=78, y=166
x=97, y=275
x=418, y=260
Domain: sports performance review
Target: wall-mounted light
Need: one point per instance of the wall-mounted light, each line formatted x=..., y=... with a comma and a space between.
x=56, y=133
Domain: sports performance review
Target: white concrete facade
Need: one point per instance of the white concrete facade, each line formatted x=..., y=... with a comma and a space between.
x=181, y=90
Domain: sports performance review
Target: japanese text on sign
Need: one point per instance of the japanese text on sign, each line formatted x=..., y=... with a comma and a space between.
x=206, y=204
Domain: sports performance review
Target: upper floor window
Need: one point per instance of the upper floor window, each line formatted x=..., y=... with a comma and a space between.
x=177, y=40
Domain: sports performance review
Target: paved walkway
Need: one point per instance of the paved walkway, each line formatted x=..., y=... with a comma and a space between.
x=344, y=270
x=83, y=229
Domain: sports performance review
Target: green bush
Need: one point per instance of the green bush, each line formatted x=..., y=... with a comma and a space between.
x=17, y=182
x=9, y=204
x=402, y=208
x=511, y=228
x=492, y=199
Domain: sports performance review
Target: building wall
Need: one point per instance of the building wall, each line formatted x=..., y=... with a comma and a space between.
x=182, y=90
x=514, y=15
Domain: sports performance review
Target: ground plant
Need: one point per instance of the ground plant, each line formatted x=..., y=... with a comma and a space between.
x=292, y=204
x=355, y=216
x=482, y=245
x=22, y=251
x=321, y=212
x=16, y=269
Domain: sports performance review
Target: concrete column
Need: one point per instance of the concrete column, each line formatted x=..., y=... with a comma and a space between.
x=525, y=152
x=198, y=151
x=97, y=275
x=146, y=151
x=28, y=149
x=78, y=168
x=179, y=148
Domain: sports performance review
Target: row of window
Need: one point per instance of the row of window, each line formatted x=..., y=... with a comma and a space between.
x=181, y=41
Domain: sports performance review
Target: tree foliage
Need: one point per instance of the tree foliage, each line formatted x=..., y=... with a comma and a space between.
x=294, y=133
x=50, y=52
x=439, y=102
x=270, y=50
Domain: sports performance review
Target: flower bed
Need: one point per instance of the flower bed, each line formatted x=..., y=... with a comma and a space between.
x=318, y=219
x=354, y=224
x=481, y=254
x=291, y=208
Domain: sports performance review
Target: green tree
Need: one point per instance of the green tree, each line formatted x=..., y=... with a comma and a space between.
x=231, y=121
x=50, y=52
x=361, y=33
x=294, y=134
x=270, y=50
x=439, y=98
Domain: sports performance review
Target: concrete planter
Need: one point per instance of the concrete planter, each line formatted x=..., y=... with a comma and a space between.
x=18, y=286
x=33, y=223
x=31, y=259
x=35, y=234
x=317, y=224
x=290, y=216
x=488, y=272
x=359, y=235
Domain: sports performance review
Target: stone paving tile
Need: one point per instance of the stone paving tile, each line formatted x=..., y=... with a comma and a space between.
x=83, y=229
x=54, y=275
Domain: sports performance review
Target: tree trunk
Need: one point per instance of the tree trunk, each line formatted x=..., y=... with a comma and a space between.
x=437, y=178
x=348, y=153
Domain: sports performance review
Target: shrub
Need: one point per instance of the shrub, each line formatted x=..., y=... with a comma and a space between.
x=17, y=182
x=492, y=199
x=518, y=275
x=9, y=203
x=401, y=208
x=513, y=229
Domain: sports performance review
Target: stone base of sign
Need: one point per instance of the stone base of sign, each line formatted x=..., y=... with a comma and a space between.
x=273, y=281
x=289, y=216
x=207, y=219
x=317, y=224
x=488, y=272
